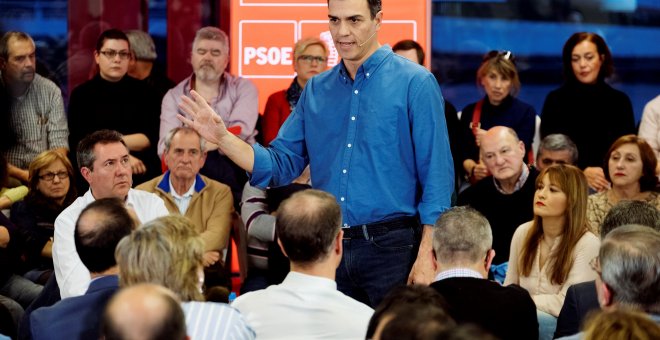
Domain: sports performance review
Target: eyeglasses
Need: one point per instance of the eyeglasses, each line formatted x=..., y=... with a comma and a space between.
x=50, y=176
x=595, y=265
x=111, y=54
x=307, y=59
x=506, y=55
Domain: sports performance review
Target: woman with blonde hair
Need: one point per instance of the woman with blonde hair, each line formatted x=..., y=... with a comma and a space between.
x=498, y=76
x=552, y=252
x=50, y=192
x=620, y=324
x=169, y=252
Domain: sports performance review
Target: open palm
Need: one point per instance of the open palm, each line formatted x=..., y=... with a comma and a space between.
x=202, y=117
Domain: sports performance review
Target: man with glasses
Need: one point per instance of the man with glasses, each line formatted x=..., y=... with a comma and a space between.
x=114, y=100
x=105, y=164
x=462, y=245
x=234, y=99
x=36, y=121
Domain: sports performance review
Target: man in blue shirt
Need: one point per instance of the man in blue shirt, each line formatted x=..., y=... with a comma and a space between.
x=371, y=131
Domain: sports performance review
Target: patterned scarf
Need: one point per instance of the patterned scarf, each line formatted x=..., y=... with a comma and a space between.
x=293, y=93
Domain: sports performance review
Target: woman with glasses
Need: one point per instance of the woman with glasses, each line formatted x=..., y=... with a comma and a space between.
x=498, y=76
x=630, y=165
x=586, y=108
x=552, y=252
x=51, y=191
x=310, y=57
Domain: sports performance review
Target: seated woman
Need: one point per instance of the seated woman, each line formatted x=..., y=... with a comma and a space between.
x=631, y=167
x=585, y=107
x=50, y=193
x=310, y=57
x=552, y=252
x=499, y=78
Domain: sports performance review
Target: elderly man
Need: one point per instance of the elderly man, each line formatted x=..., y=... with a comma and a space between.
x=627, y=267
x=100, y=227
x=234, y=99
x=556, y=149
x=37, y=120
x=505, y=197
x=104, y=163
x=309, y=233
x=371, y=131
x=462, y=242
x=207, y=203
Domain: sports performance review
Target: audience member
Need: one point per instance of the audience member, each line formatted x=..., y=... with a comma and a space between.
x=621, y=324
x=582, y=298
x=207, y=203
x=552, y=252
x=104, y=163
x=504, y=197
x=169, y=252
x=307, y=304
x=649, y=127
x=50, y=193
x=585, y=107
x=498, y=76
x=310, y=57
x=9, y=196
x=144, y=312
x=142, y=64
x=631, y=167
x=113, y=100
x=556, y=149
x=101, y=225
x=234, y=100
x=385, y=167
x=627, y=271
x=462, y=244
x=36, y=110
x=423, y=306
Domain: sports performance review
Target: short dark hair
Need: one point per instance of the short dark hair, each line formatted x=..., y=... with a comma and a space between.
x=606, y=68
x=630, y=212
x=375, y=6
x=85, y=152
x=408, y=44
x=404, y=295
x=558, y=142
x=96, y=243
x=4, y=42
x=112, y=33
x=307, y=224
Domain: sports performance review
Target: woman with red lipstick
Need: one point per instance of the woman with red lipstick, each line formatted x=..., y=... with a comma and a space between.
x=586, y=108
x=51, y=191
x=631, y=167
x=498, y=76
x=552, y=252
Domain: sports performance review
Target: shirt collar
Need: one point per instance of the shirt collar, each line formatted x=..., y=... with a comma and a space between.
x=457, y=272
x=370, y=66
x=187, y=194
x=519, y=183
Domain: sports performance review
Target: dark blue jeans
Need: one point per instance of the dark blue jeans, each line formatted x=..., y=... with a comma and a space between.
x=374, y=264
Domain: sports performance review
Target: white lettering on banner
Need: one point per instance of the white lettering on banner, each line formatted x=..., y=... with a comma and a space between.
x=271, y=56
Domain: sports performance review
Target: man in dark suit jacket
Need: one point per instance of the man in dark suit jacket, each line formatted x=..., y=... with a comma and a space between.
x=100, y=227
x=462, y=245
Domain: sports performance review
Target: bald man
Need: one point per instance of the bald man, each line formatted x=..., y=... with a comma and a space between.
x=505, y=197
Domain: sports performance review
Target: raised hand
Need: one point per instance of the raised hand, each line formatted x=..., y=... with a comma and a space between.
x=202, y=118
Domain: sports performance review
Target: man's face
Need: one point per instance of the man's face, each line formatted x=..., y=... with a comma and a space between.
x=353, y=30
x=19, y=68
x=113, y=68
x=503, y=156
x=547, y=158
x=185, y=157
x=112, y=176
x=209, y=60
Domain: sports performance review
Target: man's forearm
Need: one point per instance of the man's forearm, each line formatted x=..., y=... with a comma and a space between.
x=238, y=151
x=136, y=141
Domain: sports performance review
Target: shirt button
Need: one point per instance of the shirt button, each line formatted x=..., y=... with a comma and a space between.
x=367, y=74
x=344, y=171
x=353, y=118
x=356, y=91
x=349, y=145
x=345, y=225
x=342, y=199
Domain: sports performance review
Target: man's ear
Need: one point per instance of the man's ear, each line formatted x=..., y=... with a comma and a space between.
x=339, y=245
x=86, y=173
x=434, y=258
x=605, y=298
x=281, y=247
x=490, y=255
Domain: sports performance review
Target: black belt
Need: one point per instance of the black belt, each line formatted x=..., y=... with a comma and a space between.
x=380, y=228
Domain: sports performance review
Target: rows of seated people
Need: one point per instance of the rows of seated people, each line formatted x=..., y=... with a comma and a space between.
x=541, y=230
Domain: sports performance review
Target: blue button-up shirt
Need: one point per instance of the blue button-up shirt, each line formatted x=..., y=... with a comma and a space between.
x=378, y=143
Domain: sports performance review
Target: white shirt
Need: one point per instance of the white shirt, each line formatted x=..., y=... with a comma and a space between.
x=71, y=274
x=182, y=201
x=304, y=307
